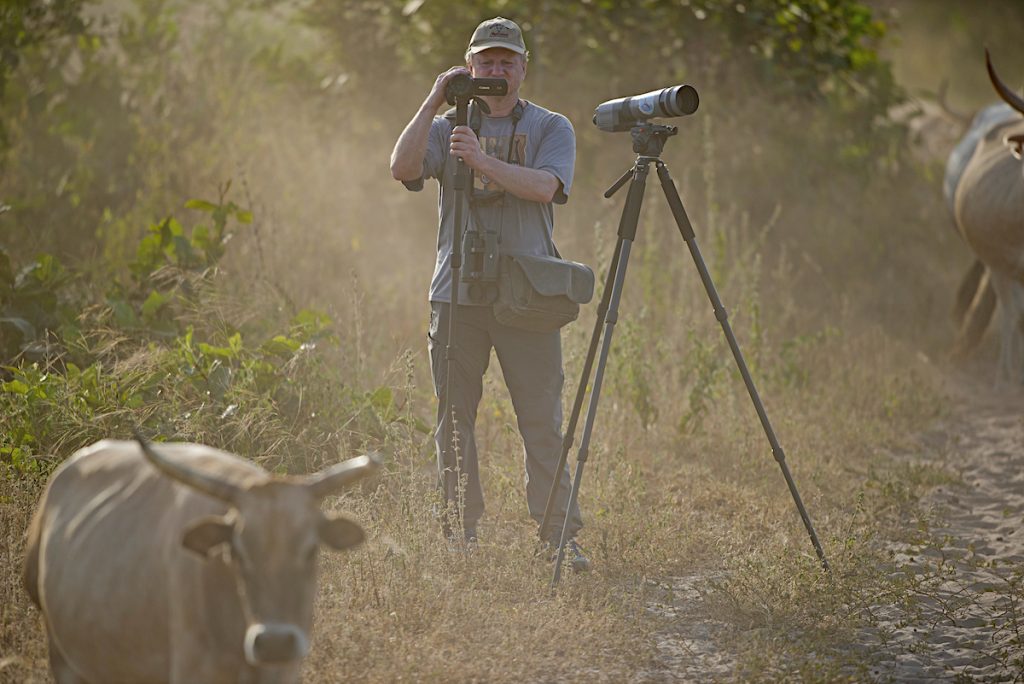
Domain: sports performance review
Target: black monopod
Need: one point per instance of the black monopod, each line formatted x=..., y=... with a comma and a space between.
x=459, y=91
x=632, y=114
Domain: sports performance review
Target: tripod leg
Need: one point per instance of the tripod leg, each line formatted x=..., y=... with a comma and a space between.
x=595, y=396
x=581, y=390
x=683, y=222
x=627, y=233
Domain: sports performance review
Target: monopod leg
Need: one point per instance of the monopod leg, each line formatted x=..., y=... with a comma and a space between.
x=451, y=459
x=570, y=430
x=686, y=230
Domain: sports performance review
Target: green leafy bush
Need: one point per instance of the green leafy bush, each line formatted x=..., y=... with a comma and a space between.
x=135, y=356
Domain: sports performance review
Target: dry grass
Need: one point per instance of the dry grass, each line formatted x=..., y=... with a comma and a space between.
x=22, y=639
x=659, y=503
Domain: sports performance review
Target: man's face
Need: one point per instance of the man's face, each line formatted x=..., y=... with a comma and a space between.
x=499, y=63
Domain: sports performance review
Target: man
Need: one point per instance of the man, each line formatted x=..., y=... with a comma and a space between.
x=522, y=159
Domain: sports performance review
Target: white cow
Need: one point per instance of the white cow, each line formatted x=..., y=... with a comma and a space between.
x=988, y=206
x=180, y=563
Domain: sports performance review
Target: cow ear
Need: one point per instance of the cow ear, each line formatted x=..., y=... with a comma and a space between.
x=202, y=536
x=1017, y=146
x=339, y=532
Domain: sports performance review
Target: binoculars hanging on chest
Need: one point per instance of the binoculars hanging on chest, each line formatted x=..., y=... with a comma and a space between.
x=480, y=269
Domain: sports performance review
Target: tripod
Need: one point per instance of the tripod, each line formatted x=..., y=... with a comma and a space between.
x=648, y=142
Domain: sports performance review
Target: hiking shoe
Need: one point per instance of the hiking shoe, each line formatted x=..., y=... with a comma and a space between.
x=574, y=556
x=468, y=542
x=468, y=533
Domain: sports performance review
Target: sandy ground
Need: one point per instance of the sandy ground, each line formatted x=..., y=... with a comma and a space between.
x=967, y=577
x=688, y=650
x=962, y=613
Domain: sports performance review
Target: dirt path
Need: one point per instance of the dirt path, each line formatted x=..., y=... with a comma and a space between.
x=960, y=616
x=688, y=650
x=966, y=614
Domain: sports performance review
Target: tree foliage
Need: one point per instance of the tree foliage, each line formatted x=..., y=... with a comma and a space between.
x=808, y=47
x=27, y=23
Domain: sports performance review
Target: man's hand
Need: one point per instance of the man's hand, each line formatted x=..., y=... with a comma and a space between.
x=465, y=144
x=436, y=97
x=535, y=185
x=411, y=148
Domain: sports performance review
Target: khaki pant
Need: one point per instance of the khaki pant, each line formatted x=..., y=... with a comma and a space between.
x=531, y=364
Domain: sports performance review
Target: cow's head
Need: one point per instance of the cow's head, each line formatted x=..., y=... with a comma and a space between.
x=270, y=538
x=1015, y=139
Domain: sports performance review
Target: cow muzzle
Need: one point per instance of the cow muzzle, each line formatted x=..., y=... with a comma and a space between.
x=274, y=644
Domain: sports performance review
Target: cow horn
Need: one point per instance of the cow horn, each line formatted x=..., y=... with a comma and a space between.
x=1011, y=98
x=336, y=477
x=218, y=489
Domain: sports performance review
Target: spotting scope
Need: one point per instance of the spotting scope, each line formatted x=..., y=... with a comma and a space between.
x=625, y=112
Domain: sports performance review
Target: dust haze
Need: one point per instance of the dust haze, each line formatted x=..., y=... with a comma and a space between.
x=820, y=218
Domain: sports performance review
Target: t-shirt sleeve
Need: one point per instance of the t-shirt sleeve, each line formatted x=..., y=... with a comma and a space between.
x=433, y=161
x=557, y=154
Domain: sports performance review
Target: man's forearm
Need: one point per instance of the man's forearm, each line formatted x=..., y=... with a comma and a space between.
x=534, y=185
x=411, y=148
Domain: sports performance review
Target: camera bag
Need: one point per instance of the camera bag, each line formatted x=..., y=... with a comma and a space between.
x=541, y=293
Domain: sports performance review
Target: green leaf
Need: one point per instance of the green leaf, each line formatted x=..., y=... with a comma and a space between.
x=149, y=254
x=16, y=387
x=154, y=302
x=382, y=400
x=124, y=315
x=182, y=250
x=243, y=216
x=201, y=205
x=309, y=325
x=201, y=238
x=210, y=350
x=280, y=345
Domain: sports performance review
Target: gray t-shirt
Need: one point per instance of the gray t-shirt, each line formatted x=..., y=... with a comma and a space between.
x=543, y=140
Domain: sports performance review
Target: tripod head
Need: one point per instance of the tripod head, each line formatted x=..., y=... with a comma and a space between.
x=649, y=139
x=648, y=142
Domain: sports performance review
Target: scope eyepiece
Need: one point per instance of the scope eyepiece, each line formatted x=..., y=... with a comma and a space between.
x=625, y=112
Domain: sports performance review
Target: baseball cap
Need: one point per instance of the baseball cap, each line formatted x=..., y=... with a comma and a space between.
x=497, y=33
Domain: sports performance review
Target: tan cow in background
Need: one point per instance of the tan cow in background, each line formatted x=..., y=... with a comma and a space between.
x=180, y=563
x=988, y=206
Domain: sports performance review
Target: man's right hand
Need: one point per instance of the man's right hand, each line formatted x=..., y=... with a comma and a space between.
x=411, y=148
x=436, y=97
